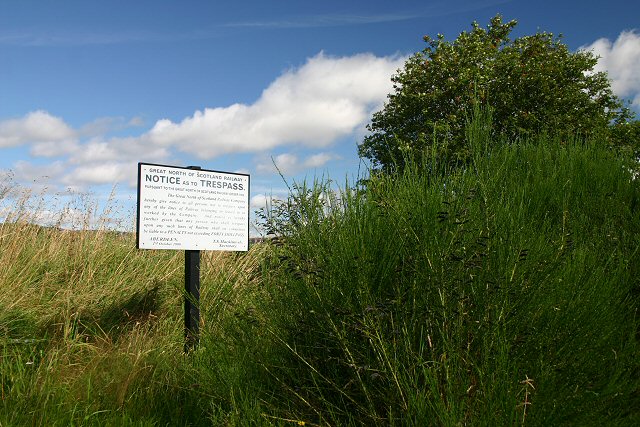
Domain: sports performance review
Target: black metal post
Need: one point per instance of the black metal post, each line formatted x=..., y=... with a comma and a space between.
x=192, y=297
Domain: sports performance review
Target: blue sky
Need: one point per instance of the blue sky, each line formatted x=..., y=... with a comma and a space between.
x=89, y=88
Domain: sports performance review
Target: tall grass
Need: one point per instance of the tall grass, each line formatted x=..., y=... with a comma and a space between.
x=502, y=293
x=91, y=329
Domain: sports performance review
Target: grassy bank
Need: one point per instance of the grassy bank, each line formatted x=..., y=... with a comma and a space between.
x=502, y=294
x=499, y=294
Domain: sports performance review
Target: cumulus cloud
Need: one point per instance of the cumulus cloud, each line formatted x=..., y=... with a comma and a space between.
x=263, y=200
x=101, y=173
x=314, y=105
x=289, y=164
x=110, y=161
x=35, y=127
x=310, y=107
x=27, y=171
x=318, y=160
x=41, y=178
x=61, y=176
x=113, y=149
x=54, y=148
x=83, y=156
x=621, y=60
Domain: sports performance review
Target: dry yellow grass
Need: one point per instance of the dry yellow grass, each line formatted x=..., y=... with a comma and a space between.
x=87, y=317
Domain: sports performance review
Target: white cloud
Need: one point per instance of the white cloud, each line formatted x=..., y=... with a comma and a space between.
x=289, y=164
x=325, y=99
x=285, y=163
x=35, y=127
x=118, y=149
x=29, y=172
x=111, y=161
x=37, y=177
x=93, y=165
x=80, y=163
x=621, y=60
x=101, y=173
x=318, y=160
x=54, y=148
x=311, y=106
x=263, y=200
x=84, y=168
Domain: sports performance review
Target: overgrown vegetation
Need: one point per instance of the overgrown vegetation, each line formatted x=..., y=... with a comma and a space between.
x=503, y=292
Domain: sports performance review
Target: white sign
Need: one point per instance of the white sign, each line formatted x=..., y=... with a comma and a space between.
x=192, y=209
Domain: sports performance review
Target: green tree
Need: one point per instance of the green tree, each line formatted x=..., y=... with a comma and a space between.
x=533, y=85
x=626, y=135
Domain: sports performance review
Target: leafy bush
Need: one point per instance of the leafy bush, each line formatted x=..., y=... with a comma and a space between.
x=534, y=85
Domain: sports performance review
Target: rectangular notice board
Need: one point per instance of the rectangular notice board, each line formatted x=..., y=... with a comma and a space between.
x=192, y=209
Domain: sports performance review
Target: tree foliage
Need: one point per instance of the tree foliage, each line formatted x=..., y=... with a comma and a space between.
x=533, y=85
